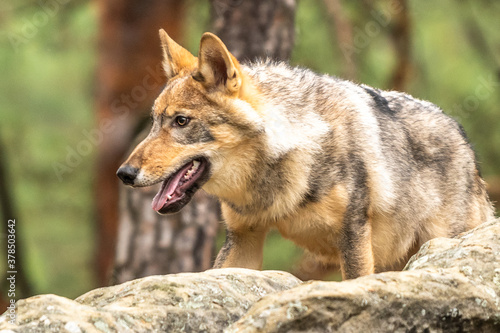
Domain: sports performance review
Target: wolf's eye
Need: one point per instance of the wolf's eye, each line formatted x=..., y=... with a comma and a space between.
x=181, y=120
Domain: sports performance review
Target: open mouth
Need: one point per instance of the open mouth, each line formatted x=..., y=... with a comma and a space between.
x=178, y=189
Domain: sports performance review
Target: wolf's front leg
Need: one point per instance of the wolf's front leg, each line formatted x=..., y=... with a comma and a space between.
x=243, y=248
x=356, y=254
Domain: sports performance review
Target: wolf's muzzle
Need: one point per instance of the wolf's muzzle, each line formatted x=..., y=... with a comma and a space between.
x=127, y=174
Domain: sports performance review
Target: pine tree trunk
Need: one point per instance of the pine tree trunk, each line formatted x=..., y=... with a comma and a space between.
x=128, y=78
x=152, y=244
x=401, y=36
x=185, y=242
x=255, y=29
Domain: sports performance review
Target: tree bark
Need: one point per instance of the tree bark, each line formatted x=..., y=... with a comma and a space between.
x=255, y=29
x=151, y=244
x=185, y=242
x=343, y=30
x=401, y=36
x=129, y=77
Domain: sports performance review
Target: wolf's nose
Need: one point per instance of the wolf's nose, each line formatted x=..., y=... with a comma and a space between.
x=127, y=174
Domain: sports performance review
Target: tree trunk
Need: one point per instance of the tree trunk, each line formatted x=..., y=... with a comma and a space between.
x=401, y=37
x=255, y=29
x=129, y=77
x=185, y=242
x=152, y=244
x=344, y=32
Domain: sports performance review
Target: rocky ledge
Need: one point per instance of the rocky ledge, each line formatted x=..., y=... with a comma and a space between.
x=450, y=285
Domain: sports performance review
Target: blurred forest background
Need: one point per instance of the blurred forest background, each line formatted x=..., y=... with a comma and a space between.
x=447, y=52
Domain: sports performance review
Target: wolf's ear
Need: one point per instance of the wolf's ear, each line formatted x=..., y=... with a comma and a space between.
x=217, y=68
x=175, y=57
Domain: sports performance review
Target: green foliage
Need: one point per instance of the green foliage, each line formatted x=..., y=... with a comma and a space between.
x=46, y=104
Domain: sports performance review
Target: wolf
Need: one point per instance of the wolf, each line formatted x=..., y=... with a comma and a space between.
x=358, y=176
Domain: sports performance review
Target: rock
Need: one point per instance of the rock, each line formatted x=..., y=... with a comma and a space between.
x=188, y=302
x=450, y=285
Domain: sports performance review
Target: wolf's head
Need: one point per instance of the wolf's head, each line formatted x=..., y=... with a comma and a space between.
x=202, y=121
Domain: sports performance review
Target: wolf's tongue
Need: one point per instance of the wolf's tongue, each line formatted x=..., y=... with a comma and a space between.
x=168, y=188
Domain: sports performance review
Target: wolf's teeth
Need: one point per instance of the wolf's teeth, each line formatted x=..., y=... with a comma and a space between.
x=169, y=197
x=195, y=164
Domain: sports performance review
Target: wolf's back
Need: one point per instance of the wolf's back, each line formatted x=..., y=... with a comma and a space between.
x=422, y=171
